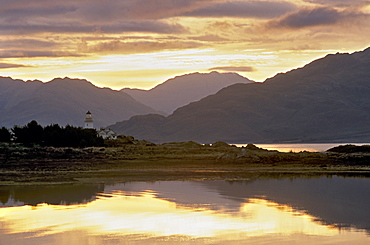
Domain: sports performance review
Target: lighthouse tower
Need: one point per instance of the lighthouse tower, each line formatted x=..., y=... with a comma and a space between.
x=89, y=122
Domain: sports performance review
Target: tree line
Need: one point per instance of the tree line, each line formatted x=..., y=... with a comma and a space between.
x=51, y=135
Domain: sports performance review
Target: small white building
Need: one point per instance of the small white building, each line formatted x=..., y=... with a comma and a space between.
x=107, y=134
x=89, y=122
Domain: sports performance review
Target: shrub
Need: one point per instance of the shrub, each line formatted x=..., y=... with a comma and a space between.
x=5, y=135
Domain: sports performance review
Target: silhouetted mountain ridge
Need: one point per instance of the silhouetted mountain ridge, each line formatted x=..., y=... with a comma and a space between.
x=182, y=90
x=325, y=101
x=63, y=101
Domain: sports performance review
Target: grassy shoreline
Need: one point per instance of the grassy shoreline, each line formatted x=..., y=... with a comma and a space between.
x=174, y=161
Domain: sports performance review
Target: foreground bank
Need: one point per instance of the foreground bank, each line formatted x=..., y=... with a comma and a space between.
x=171, y=161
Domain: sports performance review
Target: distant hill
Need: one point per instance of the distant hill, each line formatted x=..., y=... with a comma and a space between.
x=63, y=101
x=182, y=90
x=327, y=100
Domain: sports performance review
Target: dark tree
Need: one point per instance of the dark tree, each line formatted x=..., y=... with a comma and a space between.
x=5, y=135
x=70, y=136
x=28, y=135
x=35, y=132
x=54, y=135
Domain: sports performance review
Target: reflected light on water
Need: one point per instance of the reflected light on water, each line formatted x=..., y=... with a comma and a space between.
x=119, y=216
x=314, y=147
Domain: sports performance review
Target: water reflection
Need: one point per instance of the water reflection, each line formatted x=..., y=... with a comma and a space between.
x=217, y=212
x=51, y=194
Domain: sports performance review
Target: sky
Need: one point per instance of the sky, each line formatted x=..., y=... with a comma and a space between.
x=141, y=43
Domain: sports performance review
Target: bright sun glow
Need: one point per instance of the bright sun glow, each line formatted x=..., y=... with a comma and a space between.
x=130, y=44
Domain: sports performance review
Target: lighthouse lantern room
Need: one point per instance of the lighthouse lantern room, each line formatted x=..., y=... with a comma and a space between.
x=89, y=122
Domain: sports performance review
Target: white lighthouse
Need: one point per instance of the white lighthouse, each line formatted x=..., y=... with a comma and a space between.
x=89, y=122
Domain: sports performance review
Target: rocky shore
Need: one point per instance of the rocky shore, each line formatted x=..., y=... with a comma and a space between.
x=171, y=161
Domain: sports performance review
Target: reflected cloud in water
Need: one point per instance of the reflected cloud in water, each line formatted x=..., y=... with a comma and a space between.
x=188, y=212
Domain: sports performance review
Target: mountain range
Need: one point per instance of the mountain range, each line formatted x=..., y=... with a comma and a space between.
x=182, y=90
x=64, y=101
x=325, y=101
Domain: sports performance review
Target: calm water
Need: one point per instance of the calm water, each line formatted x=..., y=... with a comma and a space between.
x=301, y=147
x=262, y=211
